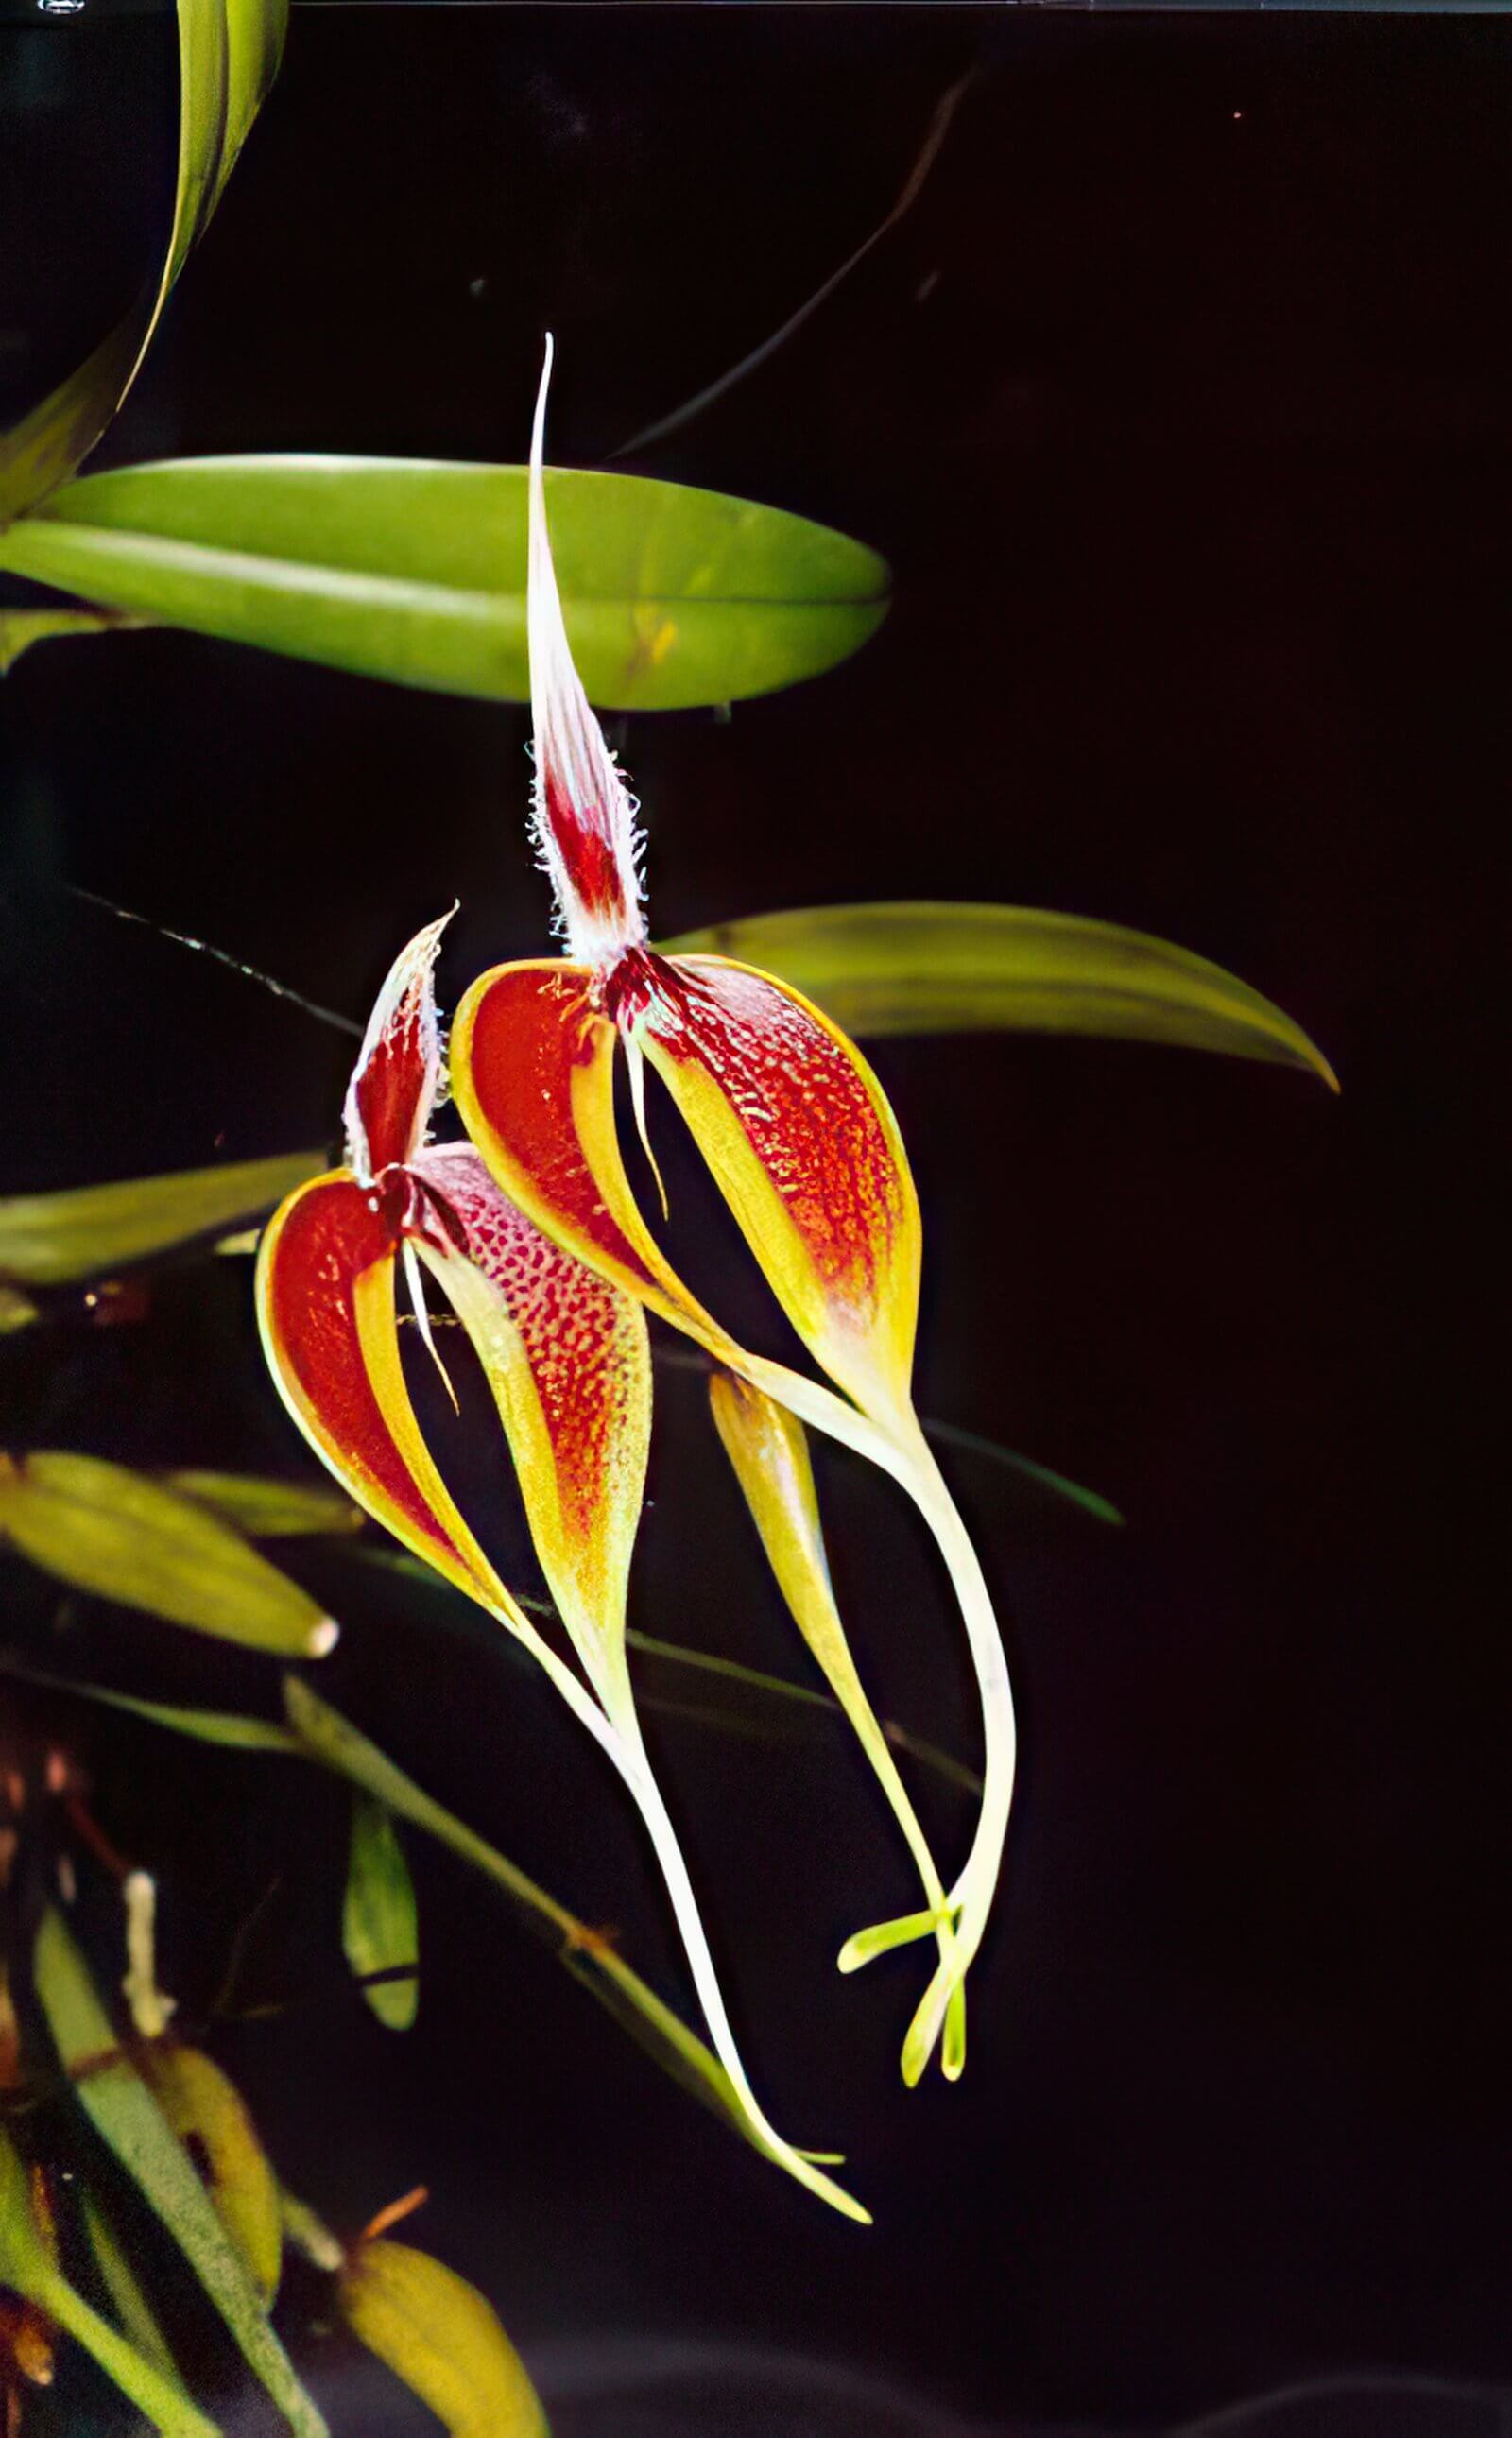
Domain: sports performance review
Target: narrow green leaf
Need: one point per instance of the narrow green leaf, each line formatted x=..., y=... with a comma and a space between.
x=961, y=968
x=228, y=1729
x=26, y=2266
x=1059, y=1484
x=129, y=2120
x=319, y=1733
x=436, y=2333
x=51, y=1240
x=266, y=1510
x=120, y=1536
x=381, y=1928
x=228, y=56
x=120, y=2279
x=415, y=571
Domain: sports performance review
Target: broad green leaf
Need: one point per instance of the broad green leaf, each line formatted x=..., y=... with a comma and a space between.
x=415, y=570
x=21, y=628
x=26, y=2266
x=266, y=1510
x=129, y=2120
x=120, y=2279
x=120, y=1536
x=437, y=2334
x=211, y=2118
x=381, y=1927
x=228, y=56
x=49, y=1240
x=961, y=968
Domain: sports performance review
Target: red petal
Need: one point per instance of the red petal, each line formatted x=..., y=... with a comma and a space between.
x=393, y=1083
x=533, y=1072
x=325, y=1307
x=799, y=1138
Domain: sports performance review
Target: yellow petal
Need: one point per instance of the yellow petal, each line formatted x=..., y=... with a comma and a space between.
x=437, y=2334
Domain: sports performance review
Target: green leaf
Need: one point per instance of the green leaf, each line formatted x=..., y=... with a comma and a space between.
x=266, y=1510
x=121, y=2284
x=437, y=2334
x=415, y=571
x=380, y=1930
x=129, y=2120
x=319, y=1733
x=26, y=2266
x=49, y=1240
x=119, y=1536
x=1058, y=1484
x=228, y=1729
x=959, y=968
x=228, y=56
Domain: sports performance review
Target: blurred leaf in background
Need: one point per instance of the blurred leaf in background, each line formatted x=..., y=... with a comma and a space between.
x=116, y=1535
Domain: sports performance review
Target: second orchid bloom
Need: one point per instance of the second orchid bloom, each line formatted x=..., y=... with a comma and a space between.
x=535, y=1238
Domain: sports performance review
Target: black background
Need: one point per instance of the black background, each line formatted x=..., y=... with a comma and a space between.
x=1180, y=404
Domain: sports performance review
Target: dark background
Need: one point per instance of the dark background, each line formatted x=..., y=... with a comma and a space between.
x=1180, y=404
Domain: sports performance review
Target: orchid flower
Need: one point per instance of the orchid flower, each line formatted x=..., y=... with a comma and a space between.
x=566, y=1357
x=795, y=1129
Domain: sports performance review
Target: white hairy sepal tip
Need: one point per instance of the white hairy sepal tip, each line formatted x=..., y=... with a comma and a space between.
x=569, y=748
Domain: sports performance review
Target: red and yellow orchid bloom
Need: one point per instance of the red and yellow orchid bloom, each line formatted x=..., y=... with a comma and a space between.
x=566, y=1357
x=797, y=1133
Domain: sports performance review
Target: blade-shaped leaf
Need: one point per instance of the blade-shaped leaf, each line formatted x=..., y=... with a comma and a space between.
x=211, y=2118
x=228, y=56
x=51, y=1240
x=137, y=2317
x=266, y=1510
x=437, y=2334
x=230, y=1729
x=26, y=2266
x=129, y=2120
x=415, y=570
x=961, y=969
x=113, y=1534
x=381, y=1928
x=319, y=1733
